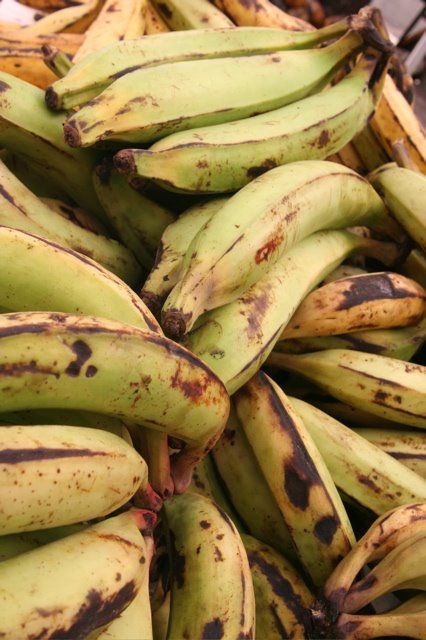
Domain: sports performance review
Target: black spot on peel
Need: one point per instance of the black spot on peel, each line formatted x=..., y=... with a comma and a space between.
x=283, y=589
x=205, y=525
x=213, y=630
x=255, y=172
x=366, y=288
x=4, y=86
x=83, y=353
x=91, y=371
x=96, y=611
x=297, y=487
x=325, y=529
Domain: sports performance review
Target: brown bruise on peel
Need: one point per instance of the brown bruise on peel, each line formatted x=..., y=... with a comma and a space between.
x=263, y=254
x=96, y=611
x=255, y=309
x=369, y=288
x=300, y=473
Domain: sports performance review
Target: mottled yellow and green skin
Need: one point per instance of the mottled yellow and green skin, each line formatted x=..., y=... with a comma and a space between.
x=359, y=468
x=22, y=210
x=151, y=103
x=282, y=598
x=30, y=130
x=248, y=491
x=98, y=571
x=53, y=360
x=212, y=591
x=257, y=225
x=97, y=471
x=138, y=221
x=386, y=387
x=297, y=477
x=225, y=157
x=235, y=339
x=79, y=285
x=409, y=447
x=385, y=534
x=98, y=70
x=404, y=192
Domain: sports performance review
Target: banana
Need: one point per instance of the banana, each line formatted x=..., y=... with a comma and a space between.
x=79, y=284
x=96, y=72
x=388, y=532
x=154, y=23
x=409, y=447
x=109, y=26
x=56, y=60
x=16, y=543
x=359, y=627
x=172, y=247
x=383, y=386
x=59, y=20
x=369, y=149
x=349, y=156
x=415, y=266
x=98, y=471
x=91, y=592
x=198, y=93
x=22, y=56
x=71, y=418
x=226, y=157
x=76, y=214
x=30, y=130
x=135, y=622
x=413, y=605
x=191, y=14
x=343, y=271
x=374, y=300
x=395, y=343
x=236, y=339
x=360, y=469
x=282, y=598
x=33, y=177
x=160, y=619
x=248, y=490
x=401, y=565
x=257, y=225
x=137, y=220
x=210, y=572
x=394, y=119
x=296, y=475
x=72, y=362
x=22, y=210
x=261, y=13
x=404, y=192
x=207, y=482
x=137, y=24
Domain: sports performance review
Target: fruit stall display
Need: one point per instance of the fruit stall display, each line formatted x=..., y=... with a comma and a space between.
x=212, y=325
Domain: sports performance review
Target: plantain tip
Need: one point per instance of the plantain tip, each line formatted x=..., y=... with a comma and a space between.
x=51, y=97
x=124, y=162
x=173, y=324
x=72, y=134
x=152, y=301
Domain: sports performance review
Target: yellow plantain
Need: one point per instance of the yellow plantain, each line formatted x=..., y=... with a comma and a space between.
x=110, y=25
x=261, y=13
x=368, y=301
